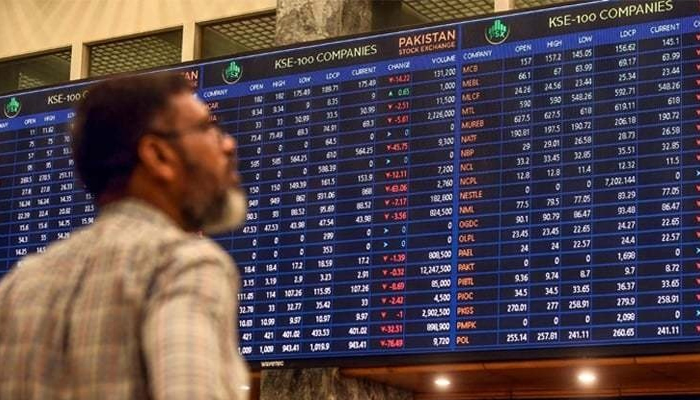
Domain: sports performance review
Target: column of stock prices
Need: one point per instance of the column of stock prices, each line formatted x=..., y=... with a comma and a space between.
x=523, y=181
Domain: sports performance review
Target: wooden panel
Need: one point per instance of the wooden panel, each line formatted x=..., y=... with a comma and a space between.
x=544, y=378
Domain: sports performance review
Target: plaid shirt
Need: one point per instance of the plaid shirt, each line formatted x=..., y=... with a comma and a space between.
x=131, y=307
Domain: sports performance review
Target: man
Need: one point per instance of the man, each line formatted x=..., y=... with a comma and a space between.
x=138, y=305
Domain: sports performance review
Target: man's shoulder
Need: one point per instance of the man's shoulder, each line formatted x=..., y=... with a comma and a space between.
x=133, y=245
x=195, y=251
x=154, y=248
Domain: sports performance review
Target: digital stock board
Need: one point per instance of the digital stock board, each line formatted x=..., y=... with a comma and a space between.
x=523, y=181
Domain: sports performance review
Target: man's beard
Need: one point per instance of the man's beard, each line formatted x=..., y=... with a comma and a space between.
x=198, y=212
x=233, y=214
x=223, y=210
x=199, y=205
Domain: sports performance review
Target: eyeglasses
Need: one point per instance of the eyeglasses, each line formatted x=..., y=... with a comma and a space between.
x=203, y=128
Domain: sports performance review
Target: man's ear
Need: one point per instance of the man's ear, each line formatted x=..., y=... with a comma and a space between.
x=158, y=158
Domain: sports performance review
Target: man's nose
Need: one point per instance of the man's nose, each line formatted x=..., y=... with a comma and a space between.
x=229, y=144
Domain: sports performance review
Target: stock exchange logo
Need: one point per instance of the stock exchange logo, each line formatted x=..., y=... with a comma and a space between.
x=497, y=33
x=232, y=73
x=12, y=108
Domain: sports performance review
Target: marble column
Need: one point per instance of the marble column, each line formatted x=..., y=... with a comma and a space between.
x=303, y=21
x=306, y=20
x=323, y=384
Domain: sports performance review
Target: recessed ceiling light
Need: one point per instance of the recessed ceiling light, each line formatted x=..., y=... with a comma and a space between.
x=245, y=387
x=442, y=382
x=586, y=377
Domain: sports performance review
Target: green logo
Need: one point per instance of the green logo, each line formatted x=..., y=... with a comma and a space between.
x=232, y=73
x=12, y=108
x=497, y=33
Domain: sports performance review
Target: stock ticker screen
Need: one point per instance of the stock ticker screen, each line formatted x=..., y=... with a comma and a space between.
x=522, y=181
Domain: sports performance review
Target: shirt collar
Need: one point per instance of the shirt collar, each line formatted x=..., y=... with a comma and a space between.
x=140, y=210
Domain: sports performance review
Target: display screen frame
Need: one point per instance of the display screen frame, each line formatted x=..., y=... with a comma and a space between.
x=578, y=351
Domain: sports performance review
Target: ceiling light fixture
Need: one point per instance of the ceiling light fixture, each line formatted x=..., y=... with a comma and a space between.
x=586, y=377
x=442, y=382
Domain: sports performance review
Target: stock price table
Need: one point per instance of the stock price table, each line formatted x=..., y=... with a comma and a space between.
x=524, y=181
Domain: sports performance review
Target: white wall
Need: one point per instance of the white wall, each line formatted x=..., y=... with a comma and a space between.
x=34, y=26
